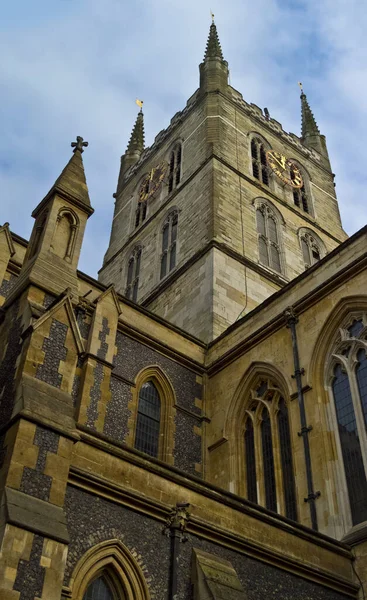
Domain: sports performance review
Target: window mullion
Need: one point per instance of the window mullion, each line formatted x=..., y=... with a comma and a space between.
x=277, y=462
x=359, y=415
x=259, y=461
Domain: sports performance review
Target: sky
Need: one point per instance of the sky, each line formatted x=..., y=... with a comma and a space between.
x=75, y=67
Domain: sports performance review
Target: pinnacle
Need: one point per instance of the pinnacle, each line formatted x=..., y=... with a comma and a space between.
x=213, y=47
x=309, y=125
x=72, y=181
x=137, y=141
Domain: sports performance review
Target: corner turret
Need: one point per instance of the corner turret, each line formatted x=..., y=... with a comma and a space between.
x=310, y=134
x=52, y=257
x=214, y=70
x=134, y=149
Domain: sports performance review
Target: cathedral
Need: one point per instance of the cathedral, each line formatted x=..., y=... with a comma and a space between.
x=191, y=426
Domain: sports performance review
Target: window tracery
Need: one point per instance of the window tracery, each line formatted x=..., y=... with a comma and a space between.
x=169, y=244
x=310, y=249
x=259, y=162
x=174, y=175
x=348, y=388
x=268, y=450
x=268, y=238
x=133, y=272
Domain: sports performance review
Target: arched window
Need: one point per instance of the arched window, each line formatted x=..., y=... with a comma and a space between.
x=64, y=238
x=148, y=420
x=268, y=238
x=349, y=391
x=169, y=243
x=259, y=163
x=141, y=212
x=108, y=571
x=133, y=270
x=99, y=590
x=300, y=197
x=310, y=249
x=267, y=420
x=174, y=175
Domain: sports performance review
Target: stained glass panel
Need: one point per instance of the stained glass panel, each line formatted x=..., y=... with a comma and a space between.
x=355, y=328
x=351, y=447
x=287, y=464
x=263, y=252
x=275, y=258
x=98, y=590
x=148, y=421
x=250, y=461
x=260, y=221
x=361, y=374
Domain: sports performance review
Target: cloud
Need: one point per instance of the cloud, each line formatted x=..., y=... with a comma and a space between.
x=76, y=67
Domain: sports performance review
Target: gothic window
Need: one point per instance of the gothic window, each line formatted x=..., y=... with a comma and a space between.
x=268, y=238
x=268, y=449
x=148, y=420
x=349, y=391
x=300, y=197
x=174, y=174
x=259, y=163
x=133, y=270
x=141, y=212
x=310, y=249
x=169, y=244
x=98, y=590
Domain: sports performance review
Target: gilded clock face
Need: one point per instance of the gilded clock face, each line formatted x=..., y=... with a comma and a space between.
x=152, y=182
x=284, y=168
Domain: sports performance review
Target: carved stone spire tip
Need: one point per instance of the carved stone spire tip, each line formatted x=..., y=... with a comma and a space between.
x=79, y=145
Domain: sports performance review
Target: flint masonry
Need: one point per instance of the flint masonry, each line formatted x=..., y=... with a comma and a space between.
x=193, y=424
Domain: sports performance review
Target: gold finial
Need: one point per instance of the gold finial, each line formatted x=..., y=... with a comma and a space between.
x=301, y=86
x=212, y=15
x=139, y=103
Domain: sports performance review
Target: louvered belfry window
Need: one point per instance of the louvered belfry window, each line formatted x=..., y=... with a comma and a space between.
x=148, y=420
x=174, y=174
x=350, y=401
x=259, y=162
x=300, y=197
x=98, y=590
x=133, y=272
x=268, y=238
x=266, y=419
x=310, y=250
x=169, y=244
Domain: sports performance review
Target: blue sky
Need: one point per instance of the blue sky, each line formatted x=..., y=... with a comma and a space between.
x=75, y=67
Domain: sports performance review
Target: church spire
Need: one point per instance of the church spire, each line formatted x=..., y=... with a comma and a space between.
x=310, y=133
x=135, y=147
x=60, y=218
x=214, y=69
x=72, y=179
x=137, y=138
x=309, y=125
x=213, y=47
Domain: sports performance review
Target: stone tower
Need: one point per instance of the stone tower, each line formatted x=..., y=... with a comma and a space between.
x=223, y=210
